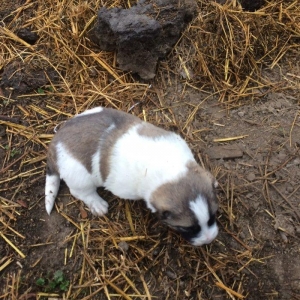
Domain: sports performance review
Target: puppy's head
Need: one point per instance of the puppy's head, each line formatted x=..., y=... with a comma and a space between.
x=189, y=205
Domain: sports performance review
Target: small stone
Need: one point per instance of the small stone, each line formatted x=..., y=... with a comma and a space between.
x=242, y=235
x=93, y=72
x=241, y=113
x=255, y=205
x=250, y=176
x=155, y=252
x=123, y=246
x=284, y=237
x=281, y=155
x=171, y=274
x=227, y=166
x=296, y=161
x=249, y=195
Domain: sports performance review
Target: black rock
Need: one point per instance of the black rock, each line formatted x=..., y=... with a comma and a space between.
x=252, y=5
x=248, y=5
x=27, y=35
x=144, y=33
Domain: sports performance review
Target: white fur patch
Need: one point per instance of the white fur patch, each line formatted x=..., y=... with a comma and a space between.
x=110, y=128
x=96, y=175
x=207, y=233
x=91, y=111
x=82, y=184
x=140, y=164
x=51, y=190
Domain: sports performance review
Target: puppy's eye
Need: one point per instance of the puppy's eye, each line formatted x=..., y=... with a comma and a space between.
x=182, y=229
x=191, y=229
x=211, y=220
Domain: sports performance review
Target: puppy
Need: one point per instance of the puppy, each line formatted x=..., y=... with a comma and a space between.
x=134, y=160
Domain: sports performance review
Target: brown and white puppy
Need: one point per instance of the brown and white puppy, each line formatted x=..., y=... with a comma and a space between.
x=134, y=160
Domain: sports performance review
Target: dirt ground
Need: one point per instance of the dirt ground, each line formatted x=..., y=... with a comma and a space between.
x=252, y=149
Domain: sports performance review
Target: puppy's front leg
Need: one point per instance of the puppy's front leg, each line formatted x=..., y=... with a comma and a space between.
x=93, y=201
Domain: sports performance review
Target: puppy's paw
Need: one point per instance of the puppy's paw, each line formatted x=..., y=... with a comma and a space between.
x=92, y=200
x=98, y=207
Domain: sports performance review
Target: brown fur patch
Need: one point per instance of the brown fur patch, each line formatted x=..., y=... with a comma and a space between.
x=83, y=135
x=151, y=131
x=51, y=161
x=175, y=196
x=78, y=135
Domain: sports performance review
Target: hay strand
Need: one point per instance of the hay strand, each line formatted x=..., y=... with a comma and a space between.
x=12, y=245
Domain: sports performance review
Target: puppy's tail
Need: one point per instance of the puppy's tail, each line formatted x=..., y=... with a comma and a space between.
x=51, y=188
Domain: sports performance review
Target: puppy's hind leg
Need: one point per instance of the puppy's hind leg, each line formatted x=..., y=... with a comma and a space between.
x=90, y=197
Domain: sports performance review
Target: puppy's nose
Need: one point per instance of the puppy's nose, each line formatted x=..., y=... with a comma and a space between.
x=210, y=236
x=208, y=239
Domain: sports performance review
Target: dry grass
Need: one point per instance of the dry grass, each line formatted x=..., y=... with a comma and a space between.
x=226, y=48
x=221, y=55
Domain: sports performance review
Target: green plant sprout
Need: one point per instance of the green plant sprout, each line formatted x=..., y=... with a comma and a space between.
x=58, y=282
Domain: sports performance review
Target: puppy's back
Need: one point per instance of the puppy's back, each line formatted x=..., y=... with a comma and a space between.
x=85, y=133
x=87, y=128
